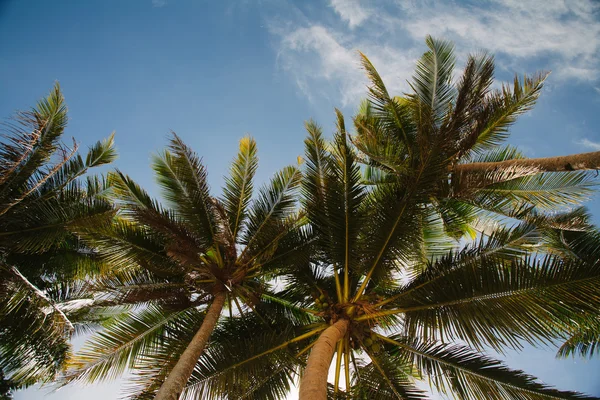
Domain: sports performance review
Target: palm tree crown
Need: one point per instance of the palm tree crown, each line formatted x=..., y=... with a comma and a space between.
x=199, y=251
x=41, y=199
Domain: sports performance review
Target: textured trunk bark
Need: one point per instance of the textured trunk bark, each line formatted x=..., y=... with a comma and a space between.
x=173, y=386
x=572, y=162
x=313, y=385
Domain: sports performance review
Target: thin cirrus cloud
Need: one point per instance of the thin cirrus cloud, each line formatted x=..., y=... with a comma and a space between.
x=351, y=11
x=588, y=144
x=321, y=54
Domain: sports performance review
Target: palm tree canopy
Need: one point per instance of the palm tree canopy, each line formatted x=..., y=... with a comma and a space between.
x=42, y=196
x=174, y=259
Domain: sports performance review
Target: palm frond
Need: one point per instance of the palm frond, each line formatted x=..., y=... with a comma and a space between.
x=183, y=179
x=238, y=186
x=499, y=303
x=500, y=111
x=467, y=374
x=432, y=81
x=275, y=202
x=124, y=342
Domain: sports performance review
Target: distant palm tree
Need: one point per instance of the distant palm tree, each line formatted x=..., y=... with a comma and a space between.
x=185, y=263
x=42, y=196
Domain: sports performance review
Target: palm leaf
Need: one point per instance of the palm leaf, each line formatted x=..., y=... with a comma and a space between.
x=469, y=375
x=238, y=186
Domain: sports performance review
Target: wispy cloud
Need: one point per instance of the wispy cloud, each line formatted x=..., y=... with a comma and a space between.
x=589, y=144
x=320, y=53
x=159, y=3
x=327, y=65
x=350, y=11
x=560, y=35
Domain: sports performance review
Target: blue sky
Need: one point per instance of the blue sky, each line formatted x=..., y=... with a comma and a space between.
x=214, y=71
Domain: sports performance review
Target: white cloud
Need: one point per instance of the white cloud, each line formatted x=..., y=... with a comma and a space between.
x=350, y=11
x=589, y=144
x=565, y=34
x=326, y=65
x=558, y=35
x=159, y=3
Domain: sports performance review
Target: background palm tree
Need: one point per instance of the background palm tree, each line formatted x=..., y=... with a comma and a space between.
x=184, y=263
x=42, y=195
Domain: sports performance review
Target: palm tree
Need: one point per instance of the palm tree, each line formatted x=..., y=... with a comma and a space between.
x=185, y=263
x=489, y=294
x=41, y=198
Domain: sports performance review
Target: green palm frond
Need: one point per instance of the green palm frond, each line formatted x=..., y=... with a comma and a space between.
x=40, y=354
x=124, y=245
x=584, y=341
x=432, y=81
x=238, y=186
x=32, y=140
x=393, y=115
x=231, y=369
x=125, y=341
x=551, y=190
x=471, y=91
x=532, y=299
x=500, y=111
x=467, y=375
x=183, y=179
x=384, y=378
x=275, y=202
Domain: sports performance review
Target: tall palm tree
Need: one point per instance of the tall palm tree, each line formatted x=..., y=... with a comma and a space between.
x=487, y=294
x=42, y=196
x=430, y=148
x=185, y=263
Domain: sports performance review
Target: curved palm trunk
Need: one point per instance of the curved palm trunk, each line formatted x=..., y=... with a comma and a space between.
x=573, y=162
x=175, y=382
x=313, y=385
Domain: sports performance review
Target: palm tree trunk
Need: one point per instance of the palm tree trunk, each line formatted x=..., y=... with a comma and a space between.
x=313, y=385
x=173, y=386
x=573, y=162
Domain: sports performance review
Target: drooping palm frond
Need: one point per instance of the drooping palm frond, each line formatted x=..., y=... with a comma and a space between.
x=385, y=378
x=466, y=374
x=533, y=300
x=228, y=369
x=584, y=341
x=127, y=340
